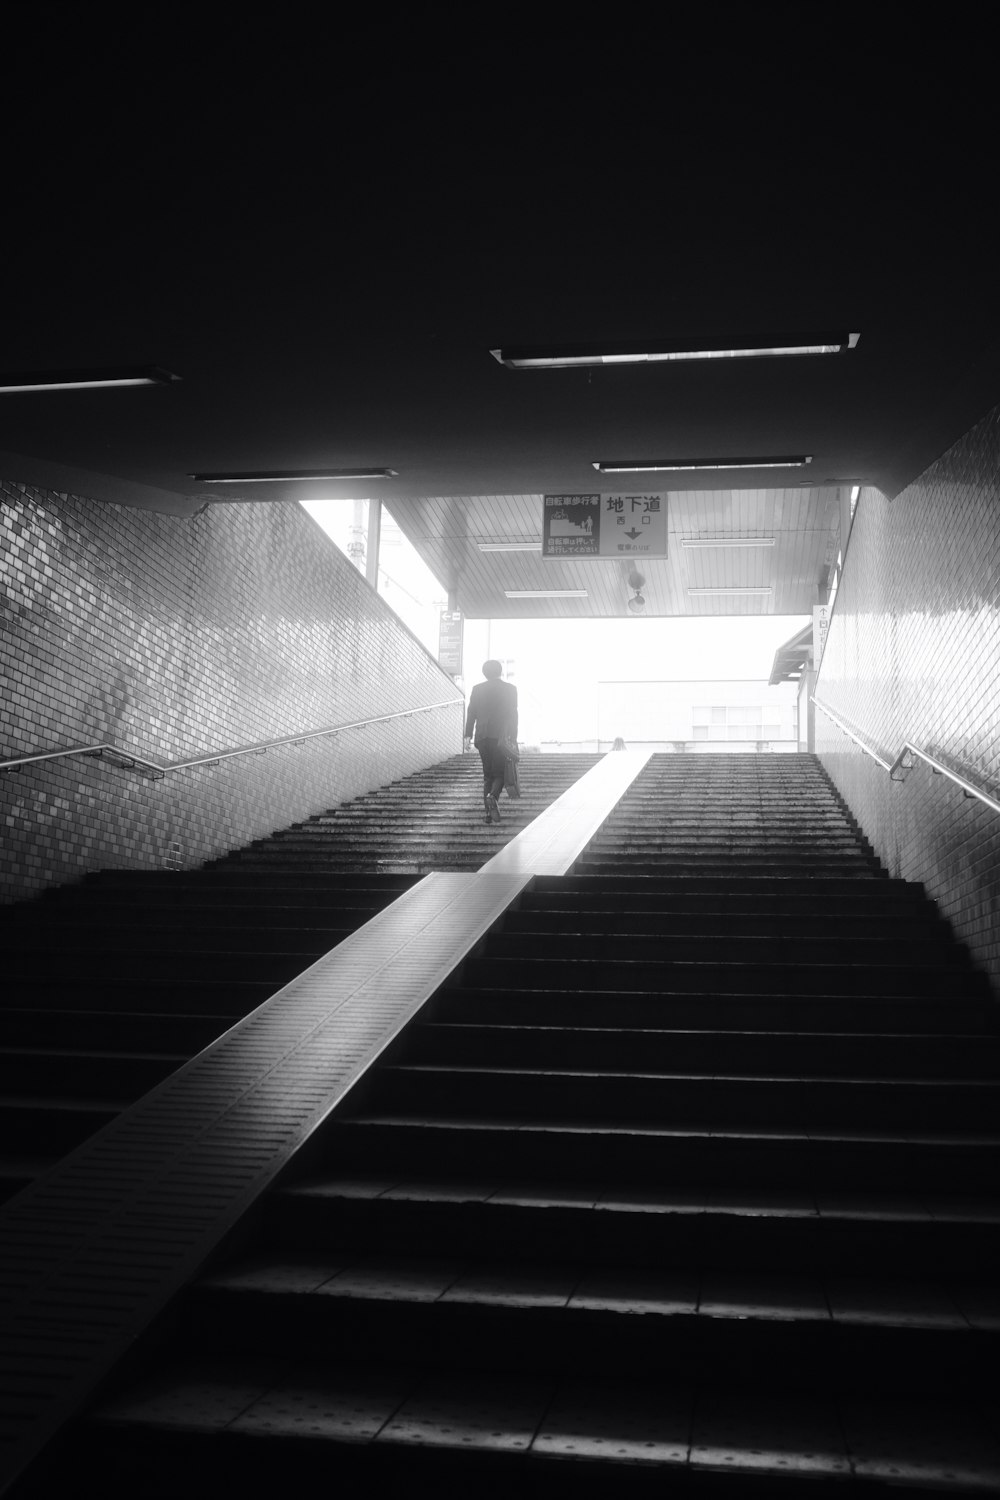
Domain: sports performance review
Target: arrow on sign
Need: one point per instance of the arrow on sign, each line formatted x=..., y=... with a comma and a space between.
x=633, y=533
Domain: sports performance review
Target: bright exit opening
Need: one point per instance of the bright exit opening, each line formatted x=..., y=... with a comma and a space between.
x=679, y=683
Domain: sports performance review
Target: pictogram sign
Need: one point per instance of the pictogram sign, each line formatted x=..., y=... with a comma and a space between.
x=585, y=526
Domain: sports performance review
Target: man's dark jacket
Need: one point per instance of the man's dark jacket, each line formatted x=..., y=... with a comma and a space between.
x=493, y=710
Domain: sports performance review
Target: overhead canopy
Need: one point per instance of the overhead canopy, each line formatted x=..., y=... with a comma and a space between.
x=792, y=658
x=744, y=552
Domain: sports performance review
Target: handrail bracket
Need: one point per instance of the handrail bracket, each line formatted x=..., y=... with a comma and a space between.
x=907, y=759
x=904, y=762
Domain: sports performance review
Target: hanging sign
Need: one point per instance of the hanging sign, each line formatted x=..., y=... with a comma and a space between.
x=583, y=526
x=821, y=626
x=450, y=642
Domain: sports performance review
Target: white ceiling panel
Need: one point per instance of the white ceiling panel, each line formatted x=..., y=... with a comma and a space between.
x=803, y=523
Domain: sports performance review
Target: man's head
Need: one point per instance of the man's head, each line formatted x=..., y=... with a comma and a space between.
x=492, y=669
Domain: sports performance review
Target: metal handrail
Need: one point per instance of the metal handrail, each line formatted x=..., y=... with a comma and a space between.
x=899, y=764
x=128, y=759
x=850, y=733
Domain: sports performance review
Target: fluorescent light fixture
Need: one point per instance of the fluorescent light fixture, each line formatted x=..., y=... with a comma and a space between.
x=287, y=476
x=654, y=351
x=546, y=593
x=677, y=465
x=728, y=541
x=85, y=380
x=730, y=591
x=509, y=546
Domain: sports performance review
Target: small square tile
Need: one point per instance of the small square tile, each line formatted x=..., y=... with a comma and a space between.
x=980, y=1306
x=964, y=1211
x=315, y=1404
x=761, y=1203
x=348, y=1187
x=513, y=1286
x=658, y=1292
x=393, y=1280
x=652, y=1201
x=897, y=1303
x=271, y=1274
x=212, y=1396
x=588, y=1421
x=767, y=1296
x=921, y=1443
x=786, y=1435
x=546, y=1195
x=869, y=1206
x=470, y=1413
x=444, y=1191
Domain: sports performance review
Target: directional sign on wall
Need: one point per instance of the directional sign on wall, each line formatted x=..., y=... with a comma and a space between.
x=450, y=642
x=584, y=526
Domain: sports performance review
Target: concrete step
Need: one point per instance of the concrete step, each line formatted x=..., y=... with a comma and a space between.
x=737, y=1010
x=513, y=942
x=710, y=975
x=490, y=1434
x=837, y=1332
x=785, y=1054
x=759, y=1157
x=948, y=1107
x=599, y=1221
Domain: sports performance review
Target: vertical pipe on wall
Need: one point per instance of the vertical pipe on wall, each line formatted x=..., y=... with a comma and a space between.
x=374, y=539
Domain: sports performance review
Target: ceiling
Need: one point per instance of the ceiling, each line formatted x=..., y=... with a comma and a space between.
x=802, y=526
x=327, y=277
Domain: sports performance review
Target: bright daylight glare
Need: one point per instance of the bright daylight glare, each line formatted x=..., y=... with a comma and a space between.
x=700, y=683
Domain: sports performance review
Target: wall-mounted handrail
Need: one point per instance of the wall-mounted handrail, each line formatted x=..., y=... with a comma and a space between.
x=850, y=734
x=129, y=758
x=899, y=764
x=940, y=770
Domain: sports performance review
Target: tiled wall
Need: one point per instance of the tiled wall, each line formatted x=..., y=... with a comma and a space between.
x=174, y=637
x=914, y=653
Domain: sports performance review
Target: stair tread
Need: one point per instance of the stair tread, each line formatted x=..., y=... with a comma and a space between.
x=471, y=1028
x=757, y=1434
x=83, y=1054
x=62, y=1104
x=733, y=1200
x=462, y=1070
x=646, y=1130
x=873, y=1301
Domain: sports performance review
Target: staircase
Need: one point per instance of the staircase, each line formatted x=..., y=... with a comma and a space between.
x=688, y=1180
x=112, y=984
x=433, y=820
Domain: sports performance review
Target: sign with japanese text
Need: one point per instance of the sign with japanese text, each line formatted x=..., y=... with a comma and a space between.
x=450, y=642
x=584, y=526
x=821, y=625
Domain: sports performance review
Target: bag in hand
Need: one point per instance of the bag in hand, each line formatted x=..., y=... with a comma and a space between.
x=511, y=782
x=508, y=748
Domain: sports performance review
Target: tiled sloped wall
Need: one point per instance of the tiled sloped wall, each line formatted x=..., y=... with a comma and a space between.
x=914, y=653
x=178, y=636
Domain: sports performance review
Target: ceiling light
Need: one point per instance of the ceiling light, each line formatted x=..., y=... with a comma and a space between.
x=285, y=476
x=644, y=465
x=730, y=591
x=85, y=380
x=728, y=541
x=619, y=352
x=509, y=546
x=546, y=593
